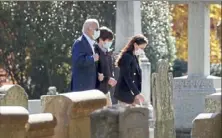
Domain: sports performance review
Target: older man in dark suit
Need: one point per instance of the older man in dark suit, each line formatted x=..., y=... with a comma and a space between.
x=84, y=74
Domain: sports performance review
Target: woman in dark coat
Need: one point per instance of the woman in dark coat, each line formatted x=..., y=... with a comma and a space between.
x=128, y=87
x=104, y=65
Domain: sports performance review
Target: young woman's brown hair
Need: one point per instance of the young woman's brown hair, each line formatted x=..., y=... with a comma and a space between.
x=138, y=39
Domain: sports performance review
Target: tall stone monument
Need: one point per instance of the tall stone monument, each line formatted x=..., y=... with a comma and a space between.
x=146, y=90
x=128, y=22
x=190, y=91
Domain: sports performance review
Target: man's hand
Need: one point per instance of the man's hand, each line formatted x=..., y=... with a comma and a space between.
x=100, y=76
x=96, y=57
x=112, y=82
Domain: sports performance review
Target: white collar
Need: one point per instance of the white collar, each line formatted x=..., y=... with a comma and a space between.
x=91, y=42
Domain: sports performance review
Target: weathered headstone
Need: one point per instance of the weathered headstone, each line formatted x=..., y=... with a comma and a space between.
x=12, y=121
x=213, y=103
x=72, y=112
x=13, y=95
x=40, y=126
x=120, y=122
x=162, y=101
x=52, y=91
x=207, y=125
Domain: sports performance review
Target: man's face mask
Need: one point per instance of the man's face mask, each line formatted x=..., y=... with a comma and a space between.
x=96, y=34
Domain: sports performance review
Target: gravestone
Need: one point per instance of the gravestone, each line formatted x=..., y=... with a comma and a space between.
x=207, y=125
x=120, y=121
x=13, y=95
x=40, y=126
x=12, y=121
x=72, y=112
x=162, y=101
x=52, y=92
x=213, y=103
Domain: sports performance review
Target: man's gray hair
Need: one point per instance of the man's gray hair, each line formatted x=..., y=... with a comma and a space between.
x=88, y=23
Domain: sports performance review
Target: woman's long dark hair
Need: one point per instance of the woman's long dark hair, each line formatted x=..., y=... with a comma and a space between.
x=138, y=39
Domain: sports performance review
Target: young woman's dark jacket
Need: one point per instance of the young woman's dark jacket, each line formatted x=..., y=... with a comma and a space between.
x=129, y=81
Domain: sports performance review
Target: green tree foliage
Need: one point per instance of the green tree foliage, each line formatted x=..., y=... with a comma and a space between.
x=179, y=68
x=156, y=25
x=36, y=38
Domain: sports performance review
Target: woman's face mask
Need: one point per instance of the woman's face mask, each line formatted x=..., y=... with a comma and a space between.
x=139, y=51
x=107, y=44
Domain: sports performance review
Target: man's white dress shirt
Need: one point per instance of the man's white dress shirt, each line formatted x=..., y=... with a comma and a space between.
x=91, y=42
